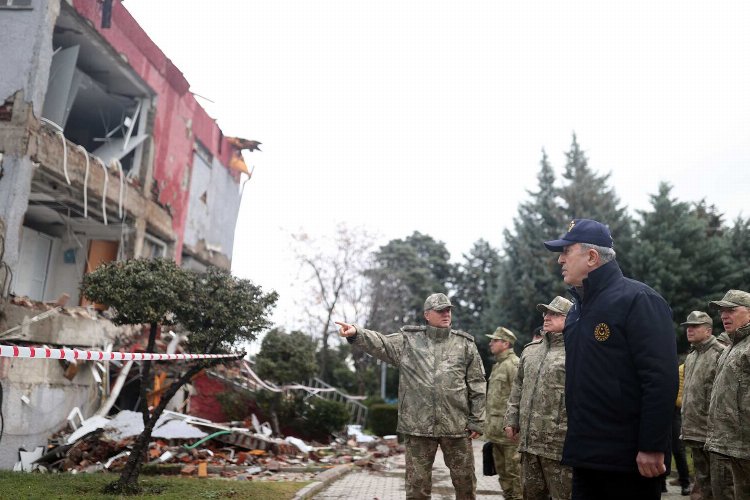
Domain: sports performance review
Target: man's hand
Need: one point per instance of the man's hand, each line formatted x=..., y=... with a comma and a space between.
x=473, y=434
x=511, y=433
x=650, y=463
x=345, y=329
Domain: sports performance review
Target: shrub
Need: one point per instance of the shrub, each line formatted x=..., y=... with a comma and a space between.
x=234, y=405
x=383, y=419
x=325, y=416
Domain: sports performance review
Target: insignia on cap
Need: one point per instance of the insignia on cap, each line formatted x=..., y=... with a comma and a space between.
x=571, y=225
x=601, y=332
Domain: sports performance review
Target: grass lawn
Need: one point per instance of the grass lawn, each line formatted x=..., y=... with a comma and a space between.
x=18, y=485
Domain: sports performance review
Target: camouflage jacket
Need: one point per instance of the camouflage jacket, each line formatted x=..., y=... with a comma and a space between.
x=536, y=407
x=441, y=389
x=729, y=409
x=498, y=390
x=700, y=371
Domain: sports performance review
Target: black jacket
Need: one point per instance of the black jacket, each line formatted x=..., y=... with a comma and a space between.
x=621, y=372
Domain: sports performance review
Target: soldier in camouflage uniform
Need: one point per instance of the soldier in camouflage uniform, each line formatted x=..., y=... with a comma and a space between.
x=728, y=418
x=536, y=409
x=441, y=394
x=504, y=449
x=713, y=478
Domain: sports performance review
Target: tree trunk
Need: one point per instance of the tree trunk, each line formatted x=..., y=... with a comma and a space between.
x=146, y=373
x=128, y=481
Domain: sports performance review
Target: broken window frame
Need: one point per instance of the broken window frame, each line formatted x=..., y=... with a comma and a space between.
x=152, y=242
x=16, y=4
x=204, y=153
x=91, y=78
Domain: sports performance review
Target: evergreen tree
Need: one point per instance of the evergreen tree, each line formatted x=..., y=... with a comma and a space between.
x=681, y=254
x=587, y=195
x=405, y=272
x=528, y=273
x=738, y=249
x=475, y=276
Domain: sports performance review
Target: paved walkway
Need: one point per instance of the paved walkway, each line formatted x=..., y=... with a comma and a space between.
x=389, y=484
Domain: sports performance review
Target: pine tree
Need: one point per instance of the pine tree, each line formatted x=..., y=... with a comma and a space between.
x=528, y=273
x=587, y=195
x=406, y=271
x=681, y=254
x=738, y=247
x=475, y=276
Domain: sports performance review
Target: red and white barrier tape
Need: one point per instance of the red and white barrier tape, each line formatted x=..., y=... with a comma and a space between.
x=12, y=351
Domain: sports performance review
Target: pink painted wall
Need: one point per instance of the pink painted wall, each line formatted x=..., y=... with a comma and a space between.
x=179, y=118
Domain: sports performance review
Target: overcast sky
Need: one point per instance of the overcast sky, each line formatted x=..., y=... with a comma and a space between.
x=431, y=115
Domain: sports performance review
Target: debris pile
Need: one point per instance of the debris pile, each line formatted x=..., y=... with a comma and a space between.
x=191, y=446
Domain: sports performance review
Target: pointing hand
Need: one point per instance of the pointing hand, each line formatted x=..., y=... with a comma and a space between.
x=345, y=329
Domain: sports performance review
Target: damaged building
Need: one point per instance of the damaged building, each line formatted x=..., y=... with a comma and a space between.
x=105, y=154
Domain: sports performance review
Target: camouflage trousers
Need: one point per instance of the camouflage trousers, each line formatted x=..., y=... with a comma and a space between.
x=506, y=464
x=709, y=465
x=722, y=485
x=741, y=477
x=544, y=478
x=420, y=455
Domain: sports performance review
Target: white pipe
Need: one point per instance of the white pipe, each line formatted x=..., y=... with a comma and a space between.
x=59, y=130
x=119, y=383
x=85, y=183
x=122, y=186
x=104, y=191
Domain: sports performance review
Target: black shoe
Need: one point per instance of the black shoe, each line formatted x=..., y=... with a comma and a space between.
x=685, y=490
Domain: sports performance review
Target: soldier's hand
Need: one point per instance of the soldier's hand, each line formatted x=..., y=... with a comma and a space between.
x=473, y=434
x=511, y=433
x=650, y=463
x=345, y=329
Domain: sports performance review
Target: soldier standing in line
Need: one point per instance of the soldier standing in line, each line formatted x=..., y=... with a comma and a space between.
x=728, y=419
x=700, y=372
x=441, y=394
x=536, y=409
x=504, y=450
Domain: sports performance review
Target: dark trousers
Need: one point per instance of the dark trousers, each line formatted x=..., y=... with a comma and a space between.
x=678, y=449
x=591, y=484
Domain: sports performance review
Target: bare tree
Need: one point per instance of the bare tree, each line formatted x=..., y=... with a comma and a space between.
x=333, y=271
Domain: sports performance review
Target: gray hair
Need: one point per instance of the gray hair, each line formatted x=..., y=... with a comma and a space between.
x=606, y=254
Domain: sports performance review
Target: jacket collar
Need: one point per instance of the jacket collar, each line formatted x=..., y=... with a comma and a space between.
x=740, y=334
x=705, y=345
x=500, y=357
x=553, y=339
x=597, y=280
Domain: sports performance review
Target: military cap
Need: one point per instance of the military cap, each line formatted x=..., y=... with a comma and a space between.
x=698, y=318
x=438, y=302
x=582, y=231
x=503, y=333
x=733, y=298
x=559, y=305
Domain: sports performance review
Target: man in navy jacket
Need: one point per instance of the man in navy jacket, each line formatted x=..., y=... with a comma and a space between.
x=621, y=371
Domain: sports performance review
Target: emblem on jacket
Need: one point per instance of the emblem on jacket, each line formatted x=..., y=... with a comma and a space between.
x=601, y=332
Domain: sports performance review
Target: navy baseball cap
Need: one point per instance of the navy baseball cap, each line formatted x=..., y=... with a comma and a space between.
x=582, y=231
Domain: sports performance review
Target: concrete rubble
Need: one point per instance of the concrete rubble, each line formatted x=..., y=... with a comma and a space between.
x=190, y=446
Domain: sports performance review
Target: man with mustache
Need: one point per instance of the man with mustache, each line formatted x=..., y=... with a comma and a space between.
x=441, y=394
x=700, y=373
x=621, y=373
x=728, y=419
